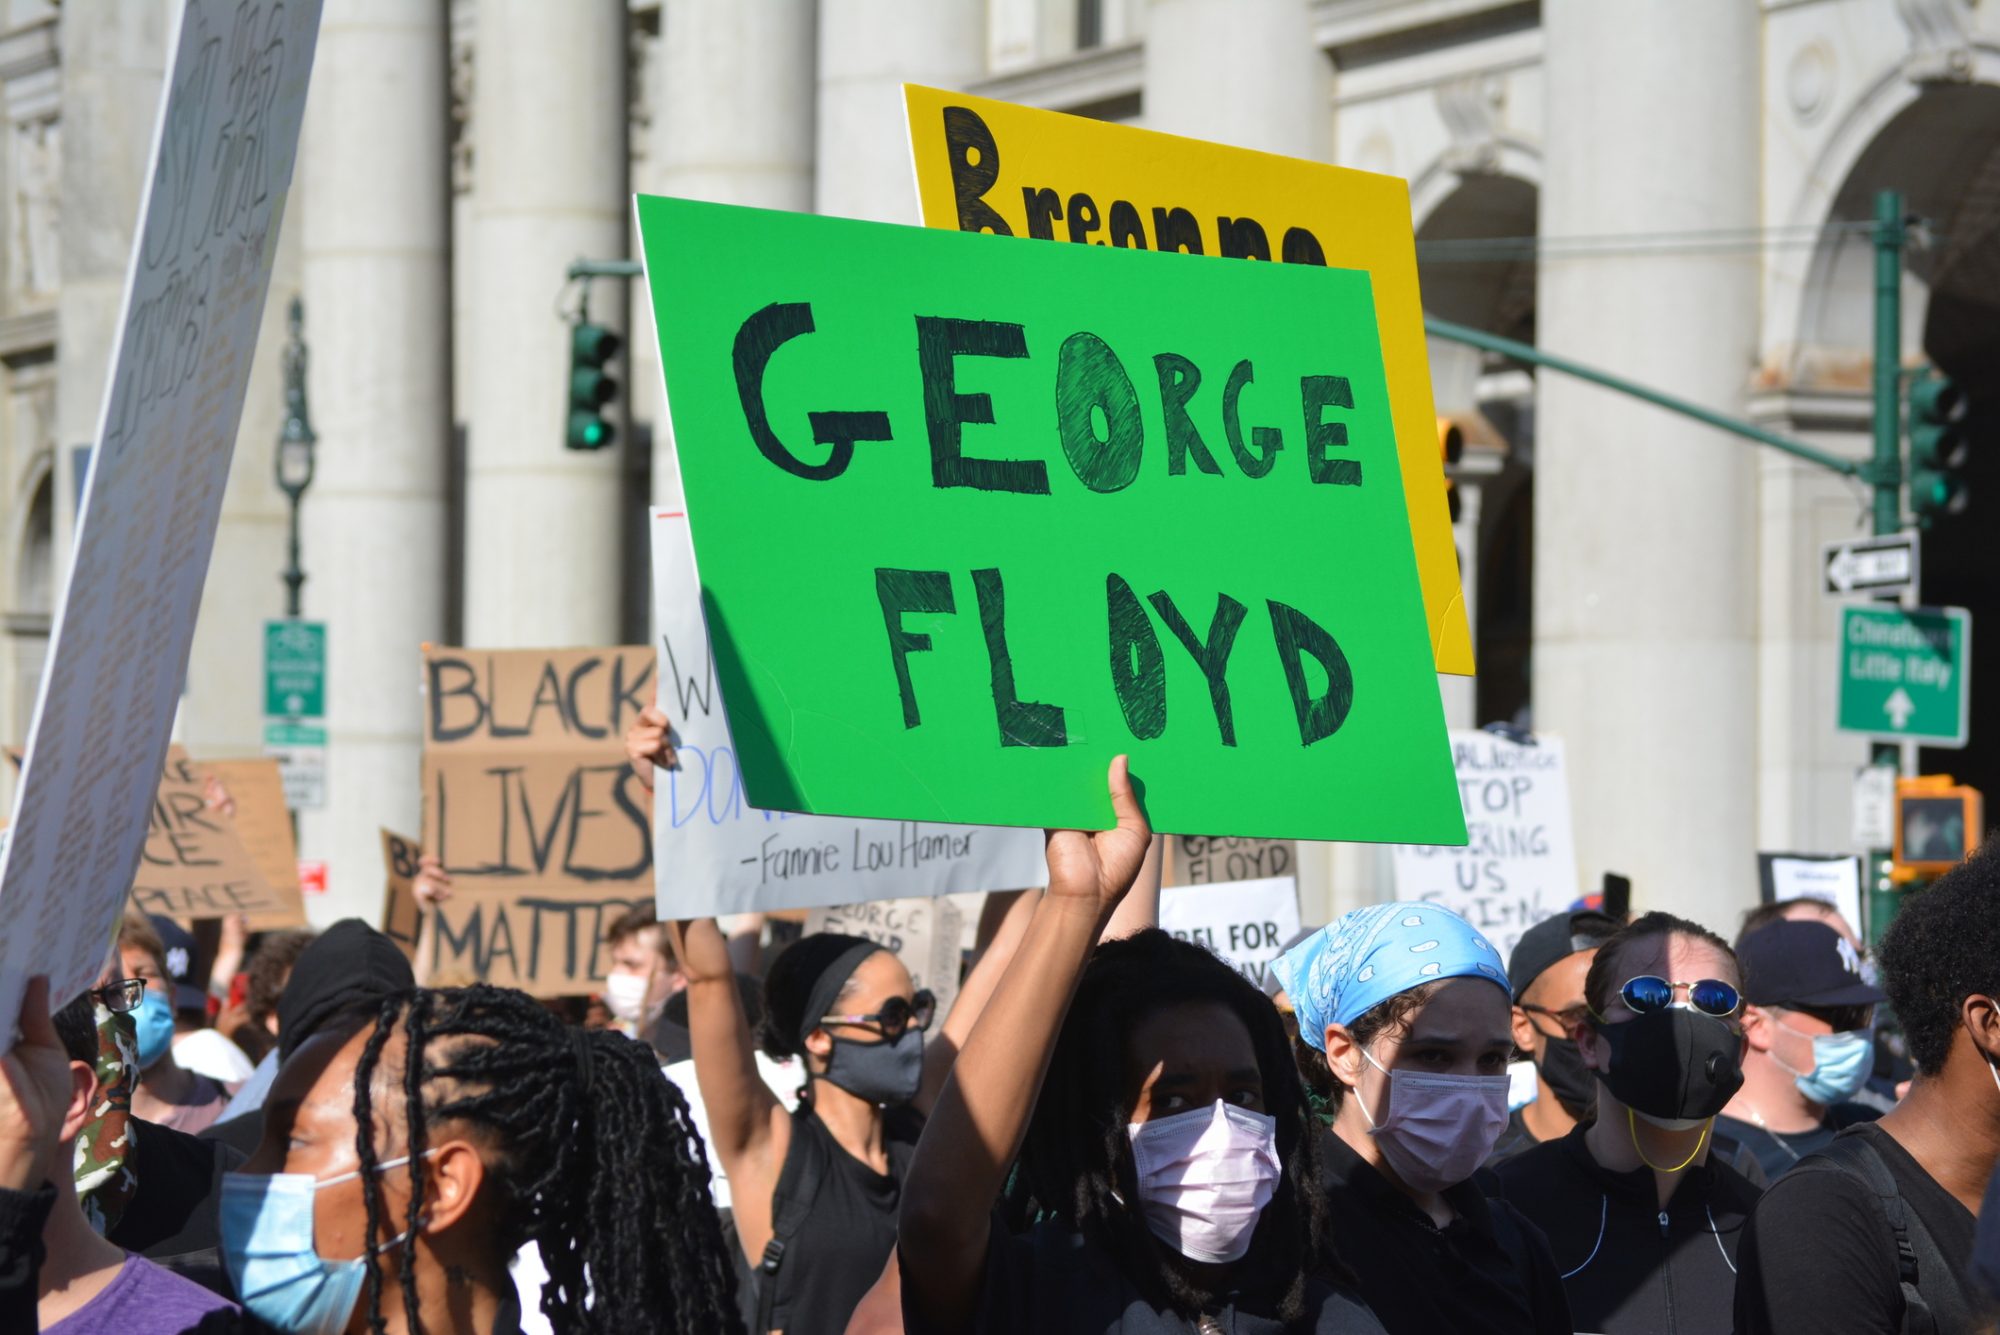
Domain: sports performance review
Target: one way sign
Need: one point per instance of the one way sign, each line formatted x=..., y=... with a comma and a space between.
x=1872, y=566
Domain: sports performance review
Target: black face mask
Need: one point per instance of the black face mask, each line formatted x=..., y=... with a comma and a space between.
x=1563, y=1071
x=1675, y=1065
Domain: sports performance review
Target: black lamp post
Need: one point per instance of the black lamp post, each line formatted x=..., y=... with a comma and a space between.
x=295, y=450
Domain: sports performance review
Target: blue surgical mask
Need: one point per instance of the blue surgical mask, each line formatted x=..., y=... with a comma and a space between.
x=155, y=1022
x=266, y=1222
x=1841, y=1063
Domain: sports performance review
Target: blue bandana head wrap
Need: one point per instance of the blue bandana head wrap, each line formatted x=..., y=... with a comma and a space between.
x=1361, y=959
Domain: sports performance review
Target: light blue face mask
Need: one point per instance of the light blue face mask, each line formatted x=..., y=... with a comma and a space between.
x=1841, y=1063
x=266, y=1221
x=155, y=1022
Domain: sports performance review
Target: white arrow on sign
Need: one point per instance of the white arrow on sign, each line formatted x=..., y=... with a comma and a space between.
x=1899, y=707
x=1875, y=565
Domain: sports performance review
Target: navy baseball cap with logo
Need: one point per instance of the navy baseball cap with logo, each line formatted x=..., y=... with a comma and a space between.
x=181, y=955
x=1553, y=940
x=1803, y=965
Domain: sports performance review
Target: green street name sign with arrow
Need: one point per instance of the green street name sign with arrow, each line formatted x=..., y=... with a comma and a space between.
x=1906, y=673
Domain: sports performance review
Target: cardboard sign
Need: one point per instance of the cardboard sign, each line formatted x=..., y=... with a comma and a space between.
x=995, y=167
x=1831, y=878
x=221, y=163
x=1245, y=922
x=534, y=811
x=1519, y=865
x=262, y=820
x=550, y=944
x=719, y=854
x=922, y=933
x=195, y=864
x=1203, y=859
x=949, y=581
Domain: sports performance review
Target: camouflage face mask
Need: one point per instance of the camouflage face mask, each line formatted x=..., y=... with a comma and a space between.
x=103, y=1166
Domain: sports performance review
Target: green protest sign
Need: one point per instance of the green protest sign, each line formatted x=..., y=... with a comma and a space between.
x=972, y=516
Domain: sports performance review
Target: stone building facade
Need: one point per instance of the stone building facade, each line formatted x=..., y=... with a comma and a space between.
x=1658, y=187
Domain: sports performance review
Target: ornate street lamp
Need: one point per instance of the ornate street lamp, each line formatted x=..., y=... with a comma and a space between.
x=295, y=450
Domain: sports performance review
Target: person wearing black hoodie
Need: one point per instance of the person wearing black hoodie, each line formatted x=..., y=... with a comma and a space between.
x=1643, y=1220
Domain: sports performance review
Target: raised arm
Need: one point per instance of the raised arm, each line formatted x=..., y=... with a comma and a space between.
x=941, y=1051
x=975, y=1132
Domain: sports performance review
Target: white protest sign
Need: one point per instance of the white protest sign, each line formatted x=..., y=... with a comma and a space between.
x=1831, y=878
x=923, y=933
x=221, y=163
x=1245, y=922
x=714, y=853
x=1519, y=864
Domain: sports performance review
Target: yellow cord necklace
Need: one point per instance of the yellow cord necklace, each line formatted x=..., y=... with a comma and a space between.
x=1632, y=1128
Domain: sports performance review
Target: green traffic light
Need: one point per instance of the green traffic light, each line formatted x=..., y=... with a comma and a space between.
x=587, y=431
x=1939, y=446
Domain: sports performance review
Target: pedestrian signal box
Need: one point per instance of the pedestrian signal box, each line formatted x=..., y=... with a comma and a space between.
x=1938, y=822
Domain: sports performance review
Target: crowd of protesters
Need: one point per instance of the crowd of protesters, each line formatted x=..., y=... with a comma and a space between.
x=1109, y=1130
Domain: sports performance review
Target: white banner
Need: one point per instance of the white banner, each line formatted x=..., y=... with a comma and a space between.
x=714, y=853
x=1519, y=865
x=221, y=163
x=1245, y=922
x=922, y=933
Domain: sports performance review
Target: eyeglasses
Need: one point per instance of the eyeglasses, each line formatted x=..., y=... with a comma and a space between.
x=1569, y=1017
x=896, y=1015
x=1711, y=996
x=122, y=996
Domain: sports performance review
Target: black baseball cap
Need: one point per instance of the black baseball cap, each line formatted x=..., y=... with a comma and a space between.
x=1803, y=964
x=181, y=955
x=1553, y=940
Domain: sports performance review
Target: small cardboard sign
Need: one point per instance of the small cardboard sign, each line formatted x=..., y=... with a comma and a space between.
x=262, y=819
x=971, y=517
x=1831, y=878
x=195, y=864
x=1021, y=171
x=533, y=809
x=1244, y=922
x=1204, y=859
x=1519, y=865
x=922, y=933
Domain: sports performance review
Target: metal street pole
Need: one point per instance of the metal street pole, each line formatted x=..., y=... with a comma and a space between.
x=1885, y=475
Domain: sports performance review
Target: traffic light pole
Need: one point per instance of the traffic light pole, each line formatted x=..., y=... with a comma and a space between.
x=1885, y=475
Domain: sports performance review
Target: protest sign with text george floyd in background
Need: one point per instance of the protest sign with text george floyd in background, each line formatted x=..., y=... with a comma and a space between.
x=971, y=517
x=529, y=803
x=196, y=862
x=1202, y=859
x=718, y=854
x=1020, y=171
x=922, y=933
x=1518, y=865
x=207, y=234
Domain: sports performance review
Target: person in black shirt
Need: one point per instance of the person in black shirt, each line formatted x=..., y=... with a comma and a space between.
x=1824, y=1252
x=1161, y=1131
x=1408, y=1006
x=1643, y=1221
x=1545, y=973
x=1807, y=1019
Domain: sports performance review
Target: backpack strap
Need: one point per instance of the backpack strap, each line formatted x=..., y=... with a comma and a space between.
x=1857, y=1156
x=798, y=1187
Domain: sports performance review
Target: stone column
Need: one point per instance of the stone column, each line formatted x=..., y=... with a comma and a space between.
x=1645, y=523
x=113, y=64
x=733, y=123
x=867, y=50
x=1243, y=72
x=549, y=119
x=377, y=324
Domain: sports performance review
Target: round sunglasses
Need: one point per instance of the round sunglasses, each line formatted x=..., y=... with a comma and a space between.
x=897, y=1014
x=1647, y=994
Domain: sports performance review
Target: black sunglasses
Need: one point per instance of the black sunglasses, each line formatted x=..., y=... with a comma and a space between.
x=897, y=1014
x=122, y=996
x=1647, y=994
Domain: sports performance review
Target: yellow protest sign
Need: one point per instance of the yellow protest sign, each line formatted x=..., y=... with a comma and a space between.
x=986, y=166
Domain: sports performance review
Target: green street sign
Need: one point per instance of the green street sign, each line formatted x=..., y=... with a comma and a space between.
x=294, y=669
x=1906, y=672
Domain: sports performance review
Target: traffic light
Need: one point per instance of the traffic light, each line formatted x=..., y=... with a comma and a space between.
x=590, y=387
x=1451, y=445
x=1938, y=823
x=1939, y=443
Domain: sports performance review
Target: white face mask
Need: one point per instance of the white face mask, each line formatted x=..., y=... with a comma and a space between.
x=1205, y=1177
x=625, y=996
x=1437, y=1129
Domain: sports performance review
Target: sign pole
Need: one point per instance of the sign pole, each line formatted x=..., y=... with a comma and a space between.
x=1886, y=479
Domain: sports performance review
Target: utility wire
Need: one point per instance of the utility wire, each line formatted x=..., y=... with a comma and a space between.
x=1494, y=249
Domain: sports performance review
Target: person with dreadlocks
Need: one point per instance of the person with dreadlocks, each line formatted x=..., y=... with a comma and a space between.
x=1160, y=1128
x=404, y=1161
x=1405, y=1008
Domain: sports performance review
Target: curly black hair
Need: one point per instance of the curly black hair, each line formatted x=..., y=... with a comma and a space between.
x=788, y=983
x=595, y=1155
x=1076, y=1161
x=1942, y=947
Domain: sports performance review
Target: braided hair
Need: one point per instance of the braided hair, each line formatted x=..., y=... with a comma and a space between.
x=1076, y=1162
x=594, y=1154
